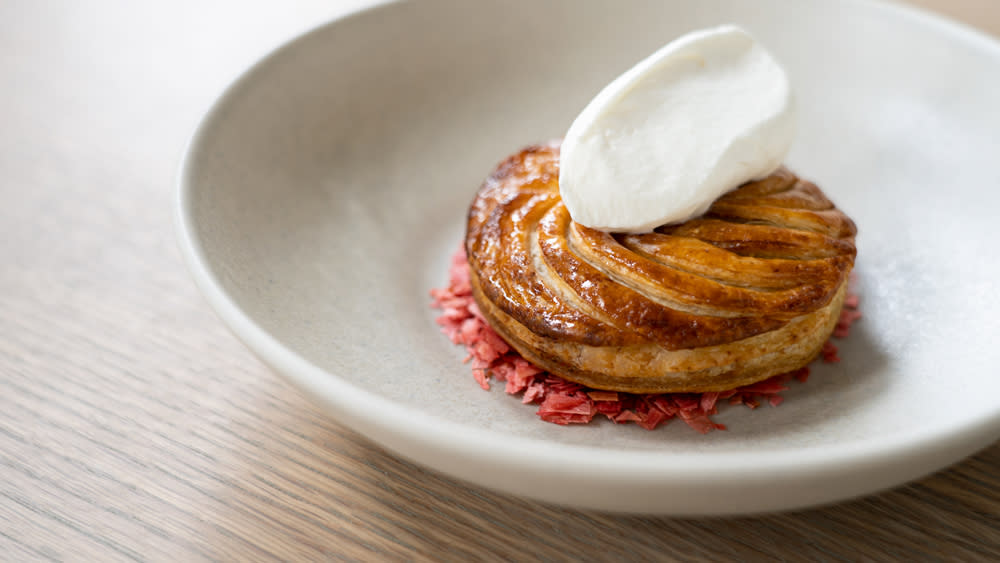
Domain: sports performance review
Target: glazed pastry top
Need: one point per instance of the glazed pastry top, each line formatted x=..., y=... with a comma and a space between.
x=763, y=254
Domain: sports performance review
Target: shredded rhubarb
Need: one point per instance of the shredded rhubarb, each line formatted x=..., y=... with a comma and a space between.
x=564, y=402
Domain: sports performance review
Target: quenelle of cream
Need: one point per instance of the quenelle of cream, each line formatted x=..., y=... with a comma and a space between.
x=698, y=118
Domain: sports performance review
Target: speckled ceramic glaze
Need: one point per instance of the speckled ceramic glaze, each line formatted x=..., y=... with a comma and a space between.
x=322, y=195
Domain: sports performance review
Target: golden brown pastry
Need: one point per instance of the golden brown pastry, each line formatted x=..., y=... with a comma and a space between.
x=750, y=290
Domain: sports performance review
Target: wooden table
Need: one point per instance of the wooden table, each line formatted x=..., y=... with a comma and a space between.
x=133, y=426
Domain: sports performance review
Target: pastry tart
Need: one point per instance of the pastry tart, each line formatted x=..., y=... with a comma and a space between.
x=751, y=289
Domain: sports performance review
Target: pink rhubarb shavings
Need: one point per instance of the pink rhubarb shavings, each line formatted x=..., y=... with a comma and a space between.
x=565, y=402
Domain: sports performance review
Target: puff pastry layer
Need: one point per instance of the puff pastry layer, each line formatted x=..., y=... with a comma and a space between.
x=749, y=290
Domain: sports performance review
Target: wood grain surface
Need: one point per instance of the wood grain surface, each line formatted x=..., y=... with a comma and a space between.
x=133, y=426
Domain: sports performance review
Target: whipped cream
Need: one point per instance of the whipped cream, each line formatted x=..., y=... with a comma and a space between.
x=704, y=114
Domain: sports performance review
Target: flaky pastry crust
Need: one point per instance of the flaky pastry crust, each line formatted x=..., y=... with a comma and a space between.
x=749, y=290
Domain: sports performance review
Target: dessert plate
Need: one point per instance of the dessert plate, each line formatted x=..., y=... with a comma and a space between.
x=322, y=195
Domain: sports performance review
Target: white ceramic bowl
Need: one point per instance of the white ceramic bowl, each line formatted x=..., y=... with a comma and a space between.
x=323, y=193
